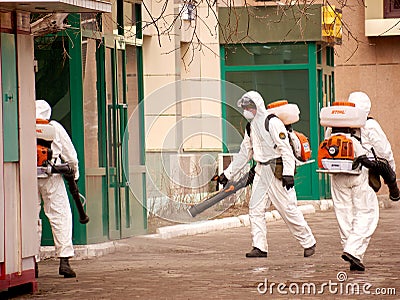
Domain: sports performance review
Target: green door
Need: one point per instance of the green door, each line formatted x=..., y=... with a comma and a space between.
x=112, y=136
x=124, y=208
x=9, y=97
x=325, y=98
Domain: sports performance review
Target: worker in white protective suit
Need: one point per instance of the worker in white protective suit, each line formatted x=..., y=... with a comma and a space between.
x=356, y=209
x=375, y=141
x=355, y=202
x=54, y=194
x=265, y=147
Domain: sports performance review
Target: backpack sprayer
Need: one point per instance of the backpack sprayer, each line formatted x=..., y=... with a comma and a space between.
x=289, y=114
x=45, y=133
x=336, y=153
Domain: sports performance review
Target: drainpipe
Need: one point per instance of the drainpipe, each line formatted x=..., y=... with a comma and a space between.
x=178, y=77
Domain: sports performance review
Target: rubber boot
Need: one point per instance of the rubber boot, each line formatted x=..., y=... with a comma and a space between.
x=310, y=251
x=394, y=193
x=65, y=268
x=255, y=252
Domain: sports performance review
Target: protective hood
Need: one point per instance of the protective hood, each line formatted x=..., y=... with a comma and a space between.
x=43, y=110
x=361, y=100
x=258, y=101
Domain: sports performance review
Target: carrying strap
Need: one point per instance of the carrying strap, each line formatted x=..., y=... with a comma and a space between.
x=266, y=124
x=346, y=130
x=269, y=117
x=248, y=129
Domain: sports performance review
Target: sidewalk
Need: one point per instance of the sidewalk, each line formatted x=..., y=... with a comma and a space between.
x=213, y=266
x=96, y=250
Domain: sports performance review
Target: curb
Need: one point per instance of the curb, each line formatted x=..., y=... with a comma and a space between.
x=201, y=227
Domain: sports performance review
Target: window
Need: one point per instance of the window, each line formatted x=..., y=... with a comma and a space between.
x=392, y=8
x=330, y=55
x=319, y=54
x=90, y=110
x=273, y=85
x=129, y=14
x=266, y=54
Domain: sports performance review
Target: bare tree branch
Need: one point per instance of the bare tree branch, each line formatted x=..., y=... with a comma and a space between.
x=240, y=16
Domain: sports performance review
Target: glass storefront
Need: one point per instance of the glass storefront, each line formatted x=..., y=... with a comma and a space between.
x=291, y=85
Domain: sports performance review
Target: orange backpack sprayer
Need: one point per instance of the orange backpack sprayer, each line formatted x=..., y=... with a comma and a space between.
x=337, y=147
x=336, y=153
x=45, y=134
x=288, y=113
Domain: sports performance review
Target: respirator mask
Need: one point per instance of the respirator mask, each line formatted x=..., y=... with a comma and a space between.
x=248, y=114
x=248, y=106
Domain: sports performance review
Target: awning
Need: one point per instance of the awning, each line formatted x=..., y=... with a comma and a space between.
x=51, y=6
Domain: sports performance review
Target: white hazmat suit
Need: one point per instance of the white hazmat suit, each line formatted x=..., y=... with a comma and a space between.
x=356, y=208
x=264, y=146
x=52, y=189
x=375, y=141
x=372, y=135
x=355, y=202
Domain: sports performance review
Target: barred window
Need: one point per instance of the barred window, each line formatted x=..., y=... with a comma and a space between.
x=392, y=8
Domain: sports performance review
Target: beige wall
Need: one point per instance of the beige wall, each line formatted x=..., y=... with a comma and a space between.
x=371, y=65
x=27, y=141
x=178, y=58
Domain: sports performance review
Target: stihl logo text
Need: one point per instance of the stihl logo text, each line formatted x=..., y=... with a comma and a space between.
x=338, y=112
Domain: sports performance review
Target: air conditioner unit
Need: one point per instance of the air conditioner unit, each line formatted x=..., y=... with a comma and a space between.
x=190, y=173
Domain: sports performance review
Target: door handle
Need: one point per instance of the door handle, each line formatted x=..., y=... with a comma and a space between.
x=122, y=105
x=8, y=97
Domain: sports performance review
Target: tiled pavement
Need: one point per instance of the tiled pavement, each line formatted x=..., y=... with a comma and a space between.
x=213, y=266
